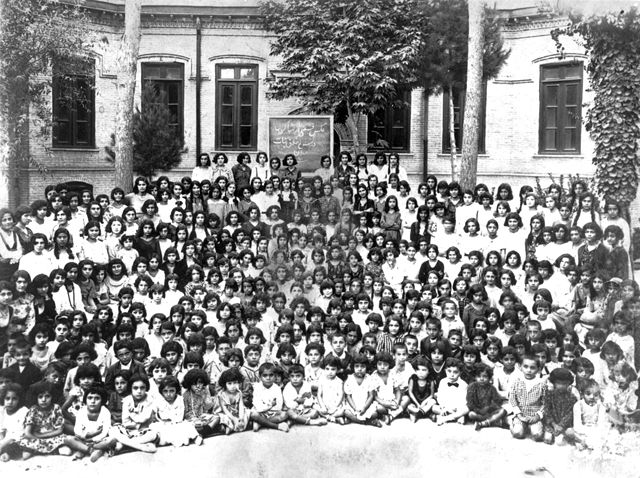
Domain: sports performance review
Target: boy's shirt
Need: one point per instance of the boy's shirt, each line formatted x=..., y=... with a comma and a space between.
x=263, y=398
x=346, y=363
x=526, y=397
x=28, y=376
x=452, y=394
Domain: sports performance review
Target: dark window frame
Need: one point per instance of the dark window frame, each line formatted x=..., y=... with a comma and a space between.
x=70, y=82
x=562, y=82
x=164, y=83
x=458, y=108
x=389, y=126
x=236, y=83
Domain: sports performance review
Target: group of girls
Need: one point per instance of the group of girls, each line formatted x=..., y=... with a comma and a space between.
x=255, y=295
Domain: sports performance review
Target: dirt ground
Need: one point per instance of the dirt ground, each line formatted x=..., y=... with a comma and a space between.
x=401, y=450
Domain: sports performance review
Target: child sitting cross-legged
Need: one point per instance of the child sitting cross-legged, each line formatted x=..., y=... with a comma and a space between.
x=170, y=425
x=451, y=395
x=330, y=391
x=299, y=400
x=359, y=406
x=483, y=400
x=267, y=402
x=420, y=390
x=92, y=426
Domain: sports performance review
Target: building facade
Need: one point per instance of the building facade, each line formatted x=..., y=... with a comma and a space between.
x=531, y=122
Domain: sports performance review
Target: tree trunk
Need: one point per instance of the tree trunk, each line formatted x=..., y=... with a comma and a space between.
x=5, y=145
x=455, y=159
x=126, y=85
x=470, y=133
x=352, y=123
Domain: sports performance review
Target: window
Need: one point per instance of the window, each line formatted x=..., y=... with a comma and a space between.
x=74, y=110
x=388, y=128
x=236, y=107
x=458, y=119
x=560, y=108
x=168, y=81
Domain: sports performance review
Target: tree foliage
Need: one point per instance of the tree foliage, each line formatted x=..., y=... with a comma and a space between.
x=40, y=41
x=357, y=55
x=612, y=42
x=443, y=59
x=156, y=146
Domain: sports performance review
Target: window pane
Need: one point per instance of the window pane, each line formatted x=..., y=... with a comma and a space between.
x=245, y=135
x=173, y=92
x=247, y=73
x=151, y=72
x=245, y=115
x=246, y=95
x=82, y=130
x=551, y=95
x=227, y=135
x=174, y=73
x=227, y=95
x=397, y=140
x=570, y=139
x=574, y=71
x=572, y=94
x=175, y=113
x=62, y=132
x=550, y=117
x=227, y=73
x=226, y=115
x=550, y=139
x=571, y=119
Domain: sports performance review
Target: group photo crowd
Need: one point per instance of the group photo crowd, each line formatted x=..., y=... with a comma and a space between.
x=251, y=296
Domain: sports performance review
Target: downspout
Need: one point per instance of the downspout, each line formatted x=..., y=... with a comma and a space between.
x=198, y=86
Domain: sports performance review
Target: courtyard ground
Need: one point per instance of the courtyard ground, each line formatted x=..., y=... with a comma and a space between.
x=401, y=450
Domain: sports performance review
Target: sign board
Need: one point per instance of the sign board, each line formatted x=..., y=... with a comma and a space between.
x=307, y=137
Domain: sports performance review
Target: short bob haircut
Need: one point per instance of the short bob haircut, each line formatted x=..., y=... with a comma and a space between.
x=194, y=376
x=513, y=215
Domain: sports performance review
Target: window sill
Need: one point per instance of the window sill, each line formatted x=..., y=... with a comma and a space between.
x=557, y=156
x=88, y=149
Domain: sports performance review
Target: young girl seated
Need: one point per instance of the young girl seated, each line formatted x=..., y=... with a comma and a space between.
x=234, y=417
x=590, y=418
x=483, y=400
x=299, y=399
x=198, y=403
x=92, y=425
x=12, y=416
x=138, y=412
x=169, y=409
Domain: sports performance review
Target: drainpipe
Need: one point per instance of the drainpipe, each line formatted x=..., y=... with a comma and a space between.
x=198, y=86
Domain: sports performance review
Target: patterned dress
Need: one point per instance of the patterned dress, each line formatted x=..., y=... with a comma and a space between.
x=238, y=417
x=43, y=421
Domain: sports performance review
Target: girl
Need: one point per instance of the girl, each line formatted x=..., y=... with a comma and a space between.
x=586, y=212
x=290, y=170
x=589, y=417
x=391, y=221
x=43, y=425
x=262, y=168
x=114, y=229
x=234, y=417
x=169, y=410
x=92, y=248
x=12, y=417
x=137, y=415
x=198, y=403
x=393, y=333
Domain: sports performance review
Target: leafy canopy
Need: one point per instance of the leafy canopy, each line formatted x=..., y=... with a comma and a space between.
x=354, y=54
x=443, y=60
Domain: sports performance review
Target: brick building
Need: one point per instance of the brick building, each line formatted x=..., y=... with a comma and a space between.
x=530, y=127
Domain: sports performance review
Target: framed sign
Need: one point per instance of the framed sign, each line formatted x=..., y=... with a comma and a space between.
x=307, y=137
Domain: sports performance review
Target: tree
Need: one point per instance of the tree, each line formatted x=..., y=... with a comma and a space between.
x=156, y=146
x=40, y=41
x=126, y=87
x=443, y=59
x=356, y=56
x=612, y=42
x=469, y=163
